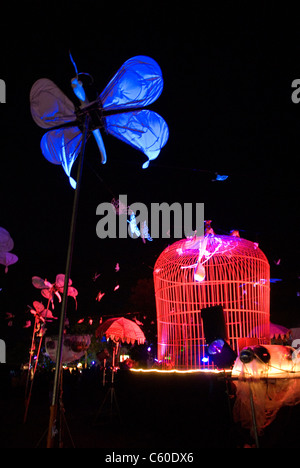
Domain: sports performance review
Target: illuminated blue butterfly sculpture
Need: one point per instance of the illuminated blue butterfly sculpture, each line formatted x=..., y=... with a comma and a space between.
x=119, y=109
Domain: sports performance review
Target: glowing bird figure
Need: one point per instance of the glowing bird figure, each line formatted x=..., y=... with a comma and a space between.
x=99, y=296
x=119, y=109
x=133, y=226
x=220, y=177
x=199, y=273
x=9, y=317
x=96, y=276
x=208, y=246
x=136, y=232
x=145, y=232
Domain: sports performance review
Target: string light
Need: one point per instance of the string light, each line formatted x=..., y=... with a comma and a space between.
x=179, y=371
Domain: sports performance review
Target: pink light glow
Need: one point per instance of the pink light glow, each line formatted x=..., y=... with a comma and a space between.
x=199, y=274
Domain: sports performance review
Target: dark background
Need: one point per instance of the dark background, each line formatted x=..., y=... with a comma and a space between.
x=227, y=74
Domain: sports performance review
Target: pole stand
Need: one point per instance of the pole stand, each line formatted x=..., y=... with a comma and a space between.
x=110, y=405
x=58, y=365
x=109, y=409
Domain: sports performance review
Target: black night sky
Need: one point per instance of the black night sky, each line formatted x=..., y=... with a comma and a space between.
x=227, y=74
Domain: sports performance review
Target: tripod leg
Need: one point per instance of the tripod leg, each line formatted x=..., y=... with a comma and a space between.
x=253, y=417
x=100, y=410
x=114, y=399
x=64, y=425
x=41, y=438
x=109, y=406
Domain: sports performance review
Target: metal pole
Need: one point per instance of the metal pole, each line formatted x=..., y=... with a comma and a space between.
x=57, y=377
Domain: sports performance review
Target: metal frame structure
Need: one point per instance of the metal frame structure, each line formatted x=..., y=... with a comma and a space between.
x=236, y=275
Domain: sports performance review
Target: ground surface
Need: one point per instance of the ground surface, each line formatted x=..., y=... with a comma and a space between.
x=157, y=412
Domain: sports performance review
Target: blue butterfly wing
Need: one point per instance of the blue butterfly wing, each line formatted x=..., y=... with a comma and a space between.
x=62, y=146
x=49, y=105
x=138, y=83
x=143, y=129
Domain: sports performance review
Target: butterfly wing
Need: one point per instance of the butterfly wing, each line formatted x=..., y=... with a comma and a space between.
x=49, y=105
x=138, y=83
x=38, y=282
x=143, y=129
x=62, y=146
x=8, y=258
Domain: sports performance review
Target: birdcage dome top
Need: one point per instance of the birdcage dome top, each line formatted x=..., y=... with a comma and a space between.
x=226, y=247
x=199, y=273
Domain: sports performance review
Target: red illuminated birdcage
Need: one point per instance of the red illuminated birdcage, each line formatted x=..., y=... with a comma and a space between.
x=193, y=274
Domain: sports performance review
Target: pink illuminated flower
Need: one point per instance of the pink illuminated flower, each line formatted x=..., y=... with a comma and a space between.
x=43, y=315
x=49, y=290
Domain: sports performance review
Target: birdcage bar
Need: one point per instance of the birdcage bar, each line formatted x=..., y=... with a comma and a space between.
x=237, y=276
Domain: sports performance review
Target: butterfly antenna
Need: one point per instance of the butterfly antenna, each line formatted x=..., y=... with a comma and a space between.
x=74, y=64
x=89, y=75
x=80, y=73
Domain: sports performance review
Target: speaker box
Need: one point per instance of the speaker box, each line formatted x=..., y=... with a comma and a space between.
x=213, y=323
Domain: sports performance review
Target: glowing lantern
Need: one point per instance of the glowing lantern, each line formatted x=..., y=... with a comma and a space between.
x=199, y=274
x=74, y=347
x=193, y=274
